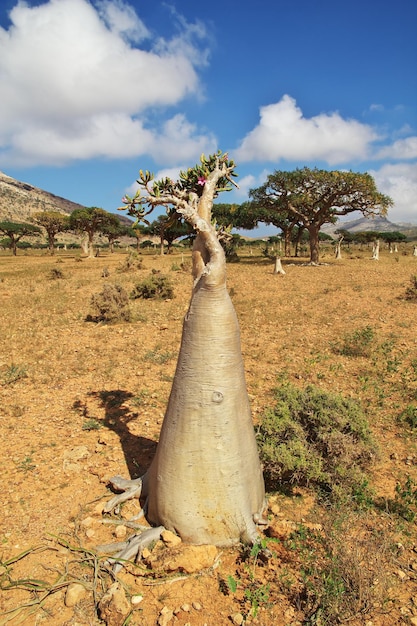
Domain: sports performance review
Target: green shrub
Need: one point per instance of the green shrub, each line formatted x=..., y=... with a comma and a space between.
x=110, y=306
x=154, y=286
x=131, y=263
x=313, y=437
x=360, y=342
x=409, y=416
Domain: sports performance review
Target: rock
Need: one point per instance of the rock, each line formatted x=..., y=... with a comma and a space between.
x=135, y=600
x=413, y=621
x=170, y=538
x=120, y=531
x=197, y=606
x=113, y=606
x=182, y=558
x=165, y=616
x=72, y=458
x=75, y=592
x=237, y=619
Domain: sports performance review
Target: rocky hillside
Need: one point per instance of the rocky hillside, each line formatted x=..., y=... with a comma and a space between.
x=363, y=224
x=18, y=201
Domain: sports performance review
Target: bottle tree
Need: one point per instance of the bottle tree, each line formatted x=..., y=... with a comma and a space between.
x=205, y=482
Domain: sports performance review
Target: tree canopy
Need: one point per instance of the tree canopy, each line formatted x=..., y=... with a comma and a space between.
x=53, y=222
x=91, y=220
x=310, y=198
x=16, y=230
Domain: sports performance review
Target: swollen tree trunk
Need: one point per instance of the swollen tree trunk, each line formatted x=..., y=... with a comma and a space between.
x=205, y=481
x=338, y=250
x=278, y=269
x=375, y=250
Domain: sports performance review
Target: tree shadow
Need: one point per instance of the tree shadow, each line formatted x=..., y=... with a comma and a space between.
x=138, y=451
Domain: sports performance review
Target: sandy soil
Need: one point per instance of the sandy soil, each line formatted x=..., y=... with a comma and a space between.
x=80, y=402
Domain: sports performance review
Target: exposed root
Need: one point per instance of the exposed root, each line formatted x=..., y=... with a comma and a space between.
x=133, y=547
x=130, y=489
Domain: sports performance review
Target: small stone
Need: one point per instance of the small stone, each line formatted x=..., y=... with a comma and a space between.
x=135, y=600
x=120, y=532
x=170, y=538
x=186, y=608
x=90, y=533
x=414, y=566
x=99, y=508
x=113, y=606
x=87, y=522
x=197, y=606
x=165, y=616
x=237, y=619
x=75, y=592
x=413, y=621
x=401, y=575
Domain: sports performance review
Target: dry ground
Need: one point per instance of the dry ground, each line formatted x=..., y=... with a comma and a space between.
x=80, y=402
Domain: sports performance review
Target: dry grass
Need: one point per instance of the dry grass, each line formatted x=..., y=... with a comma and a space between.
x=59, y=372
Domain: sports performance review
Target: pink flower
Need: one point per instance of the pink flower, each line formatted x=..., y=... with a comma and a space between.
x=201, y=181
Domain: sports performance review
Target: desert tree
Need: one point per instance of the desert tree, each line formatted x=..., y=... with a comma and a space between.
x=168, y=228
x=392, y=238
x=15, y=231
x=53, y=222
x=205, y=481
x=91, y=220
x=313, y=197
x=113, y=230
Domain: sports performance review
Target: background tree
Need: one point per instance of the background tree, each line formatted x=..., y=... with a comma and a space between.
x=313, y=197
x=205, y=481
x=53, y=222
x=168, y=228
x=16, y=230
x=113, y=230
x=392, y=237
x=91, y=220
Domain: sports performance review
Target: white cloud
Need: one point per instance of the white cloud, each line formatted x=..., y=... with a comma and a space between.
x=71, y=74
x=401, y=149
x=284, y=133
x=179, y=142
x=400, y=182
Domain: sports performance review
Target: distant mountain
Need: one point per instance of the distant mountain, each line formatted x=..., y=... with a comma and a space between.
x=18, y=201
x=378, y=224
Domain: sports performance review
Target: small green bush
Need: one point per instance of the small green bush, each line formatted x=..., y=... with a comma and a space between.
x=131, y=263
x=360, y=342
x=409, y=416
x=154, y=286
x=313, y=437
x=110, y=305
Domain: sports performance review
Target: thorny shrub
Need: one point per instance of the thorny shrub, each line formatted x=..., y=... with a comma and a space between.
x=154, y=286
x=343, y=569
x=313, y=437
x=110, y=305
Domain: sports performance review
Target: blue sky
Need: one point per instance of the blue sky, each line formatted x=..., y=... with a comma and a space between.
x=91, y=92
